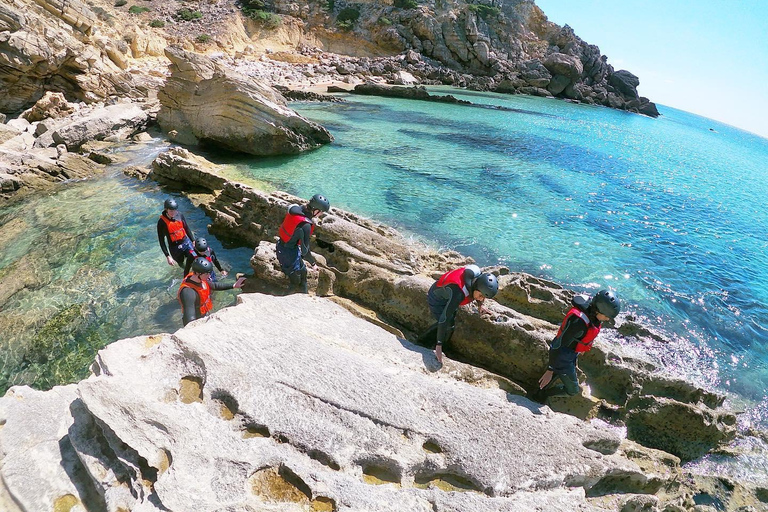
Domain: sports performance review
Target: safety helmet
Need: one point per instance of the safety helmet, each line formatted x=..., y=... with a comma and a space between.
x=319, y=202
x=487, y=284
x=171, y=204
x=607, y=303
x=201, y=245
x=202, y=266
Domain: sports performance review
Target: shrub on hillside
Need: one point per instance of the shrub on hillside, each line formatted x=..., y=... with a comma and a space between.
x=120, y=3
x=189, y=15
x=486, y=11
x=156, y=23
x=135, y=9
x=269, y=20
x=406, y=4
x=203, y=38
x=348, y=14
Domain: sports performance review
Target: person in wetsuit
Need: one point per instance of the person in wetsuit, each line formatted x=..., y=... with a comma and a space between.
x=202, y=249
x=195, y=290
x=456, y=288
x=293, y=246
x=576, y=334
x=173, y=226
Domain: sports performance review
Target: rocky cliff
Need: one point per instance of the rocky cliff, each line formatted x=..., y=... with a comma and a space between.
x=294, y=404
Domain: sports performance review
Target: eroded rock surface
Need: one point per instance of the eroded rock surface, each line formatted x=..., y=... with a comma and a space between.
x=203, y=103
x=293, y=403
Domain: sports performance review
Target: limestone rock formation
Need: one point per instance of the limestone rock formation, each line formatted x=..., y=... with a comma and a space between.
x=52, y=45
x=293, y=403
x=375, y=267
x=205, y=103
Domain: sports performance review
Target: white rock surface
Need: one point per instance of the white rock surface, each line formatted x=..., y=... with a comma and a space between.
x=293, y=403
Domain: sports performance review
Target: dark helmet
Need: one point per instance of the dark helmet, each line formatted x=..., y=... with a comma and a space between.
x=201, y=245
x=202, y=266
x=487, y=284
x=607, y=303
x=319, y=202
x=171, y=204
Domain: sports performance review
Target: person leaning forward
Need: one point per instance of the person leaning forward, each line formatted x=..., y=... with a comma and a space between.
x=576, y=334
x=456, y=288
x=195, y=290
x=173, y=226
x=293, y=246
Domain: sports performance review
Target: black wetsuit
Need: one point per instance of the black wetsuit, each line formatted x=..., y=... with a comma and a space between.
x=190, y=300
x=179, y=249
x=563, y=357
x=444, y=302
x=291, y=254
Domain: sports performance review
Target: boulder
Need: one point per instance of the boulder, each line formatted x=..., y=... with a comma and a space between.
x=566, y=65
x=53, y=104
x=207, y=104
x=115, y=122
x=558, y=84
x=625, y=82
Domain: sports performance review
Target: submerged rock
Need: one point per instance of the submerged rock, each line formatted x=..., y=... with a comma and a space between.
x=203, y=103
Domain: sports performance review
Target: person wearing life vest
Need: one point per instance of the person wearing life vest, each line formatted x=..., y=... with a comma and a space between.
x=576, y=335
x=195, y=290
x=456, y=288
x=202, y=249
x=173, y=226
x=293, y=246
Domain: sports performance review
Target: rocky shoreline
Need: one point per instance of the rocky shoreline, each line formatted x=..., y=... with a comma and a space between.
x=216, y=416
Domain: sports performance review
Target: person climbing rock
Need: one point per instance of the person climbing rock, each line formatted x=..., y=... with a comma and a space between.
x=293, y=247
x=202, y=249
x=195, y=290
x=173, y=226
x=576, y=334
x=456, y=288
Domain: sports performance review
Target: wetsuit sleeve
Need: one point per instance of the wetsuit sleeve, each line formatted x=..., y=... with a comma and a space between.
x=162, y=234
x=188, y=231
x=444, y=323
x=216, y=261
x=221, y=286
x=188, y=265
x=575, y=329
x=306, y=230
x=190, y=303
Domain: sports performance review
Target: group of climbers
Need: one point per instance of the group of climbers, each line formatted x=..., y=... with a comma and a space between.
x=196, y=258
x=455, y=288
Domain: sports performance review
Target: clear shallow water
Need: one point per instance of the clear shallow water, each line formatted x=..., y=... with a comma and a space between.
x=668, y=211
x=94, y=271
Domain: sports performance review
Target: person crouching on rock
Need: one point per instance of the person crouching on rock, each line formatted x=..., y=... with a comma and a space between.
x=202, y=250
x=293, y=246
x=456, y=288
x=195, y=290
x=576, y=335
x=173, y=226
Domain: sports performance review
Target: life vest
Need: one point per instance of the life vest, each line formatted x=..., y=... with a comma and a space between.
x=203, y=290
x=585, y=343
x=456, y=277
x=175, y=228
x=291, y=222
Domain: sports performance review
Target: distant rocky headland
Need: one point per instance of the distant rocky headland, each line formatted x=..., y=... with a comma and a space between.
x=322, y=403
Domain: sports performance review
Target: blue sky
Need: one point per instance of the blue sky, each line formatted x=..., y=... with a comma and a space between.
x=709, y=57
